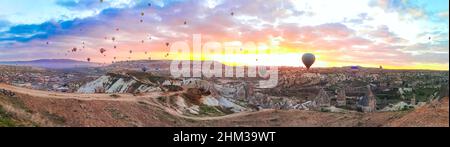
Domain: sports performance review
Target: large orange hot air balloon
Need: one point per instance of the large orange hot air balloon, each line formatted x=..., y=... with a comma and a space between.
x=308, y=59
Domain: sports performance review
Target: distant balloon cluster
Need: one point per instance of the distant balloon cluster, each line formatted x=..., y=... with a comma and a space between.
x=103, y=51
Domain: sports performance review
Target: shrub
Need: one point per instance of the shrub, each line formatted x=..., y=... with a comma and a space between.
x=114, y=96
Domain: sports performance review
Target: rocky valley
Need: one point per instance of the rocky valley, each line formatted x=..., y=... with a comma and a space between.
x=133, y=96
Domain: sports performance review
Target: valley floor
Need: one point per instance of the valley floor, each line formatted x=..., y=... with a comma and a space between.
x=26, y=107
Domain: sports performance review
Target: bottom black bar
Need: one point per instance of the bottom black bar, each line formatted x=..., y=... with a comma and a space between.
x=217, y=136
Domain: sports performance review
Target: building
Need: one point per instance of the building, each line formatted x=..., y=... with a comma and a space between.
x=367, y=103
x=443, y=92
x=413, y=100
x=341, y=99
x=322, y=99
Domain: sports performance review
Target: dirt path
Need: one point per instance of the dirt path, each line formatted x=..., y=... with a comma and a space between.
x=149, y=98
x=234, y=115
x=77, y=96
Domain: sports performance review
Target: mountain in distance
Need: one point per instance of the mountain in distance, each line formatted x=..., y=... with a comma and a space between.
x=52, y=63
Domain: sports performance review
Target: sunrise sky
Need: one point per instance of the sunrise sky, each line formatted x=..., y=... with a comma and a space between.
x=400, y=34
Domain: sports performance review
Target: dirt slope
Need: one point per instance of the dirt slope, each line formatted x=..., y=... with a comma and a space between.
x=432, y=115
x=40, y=108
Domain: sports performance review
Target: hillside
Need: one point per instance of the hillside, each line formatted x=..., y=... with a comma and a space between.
x=118, y=83
x=39, y=108
x=431, y=115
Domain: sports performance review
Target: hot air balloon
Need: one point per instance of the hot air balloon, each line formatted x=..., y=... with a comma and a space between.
x=113, y=38
x=354, y=70
x=232, y=13
x=308, y=60
x=74, y=49
x=185, y=22
x=144, y=69
x=115, y=46
x=142, y=21
x=47, y=42
x=167, y=43
x=89, y=59
x=131, y=51
x=149, y=4
x=102, y=50
x=142, y=13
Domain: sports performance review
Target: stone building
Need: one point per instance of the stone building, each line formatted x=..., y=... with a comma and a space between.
x=322, y=99
x=443, y=92
x=367, y=103
x=413, y=100
x=341, y=99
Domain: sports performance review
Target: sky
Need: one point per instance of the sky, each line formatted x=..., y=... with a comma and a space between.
x=397, y=34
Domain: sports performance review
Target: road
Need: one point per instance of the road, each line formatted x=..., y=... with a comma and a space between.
x=149, y=98
x=77, y=96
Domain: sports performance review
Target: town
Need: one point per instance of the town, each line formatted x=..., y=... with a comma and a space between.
x=44, y=79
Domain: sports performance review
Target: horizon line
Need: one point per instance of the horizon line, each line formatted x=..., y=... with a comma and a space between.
x=372, y=67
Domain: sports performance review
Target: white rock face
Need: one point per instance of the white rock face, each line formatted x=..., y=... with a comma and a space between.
x=222, y=102
x=210, y=101
x=91, y=86
x=222, y=94
x=196, y=83
x=334, y=109
x=147, y=88
x=397, y=107
x=171, y=83
x=182, y=106
x=119, y=84
x=228, y=104
x=180, y=102
x=195, y=109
